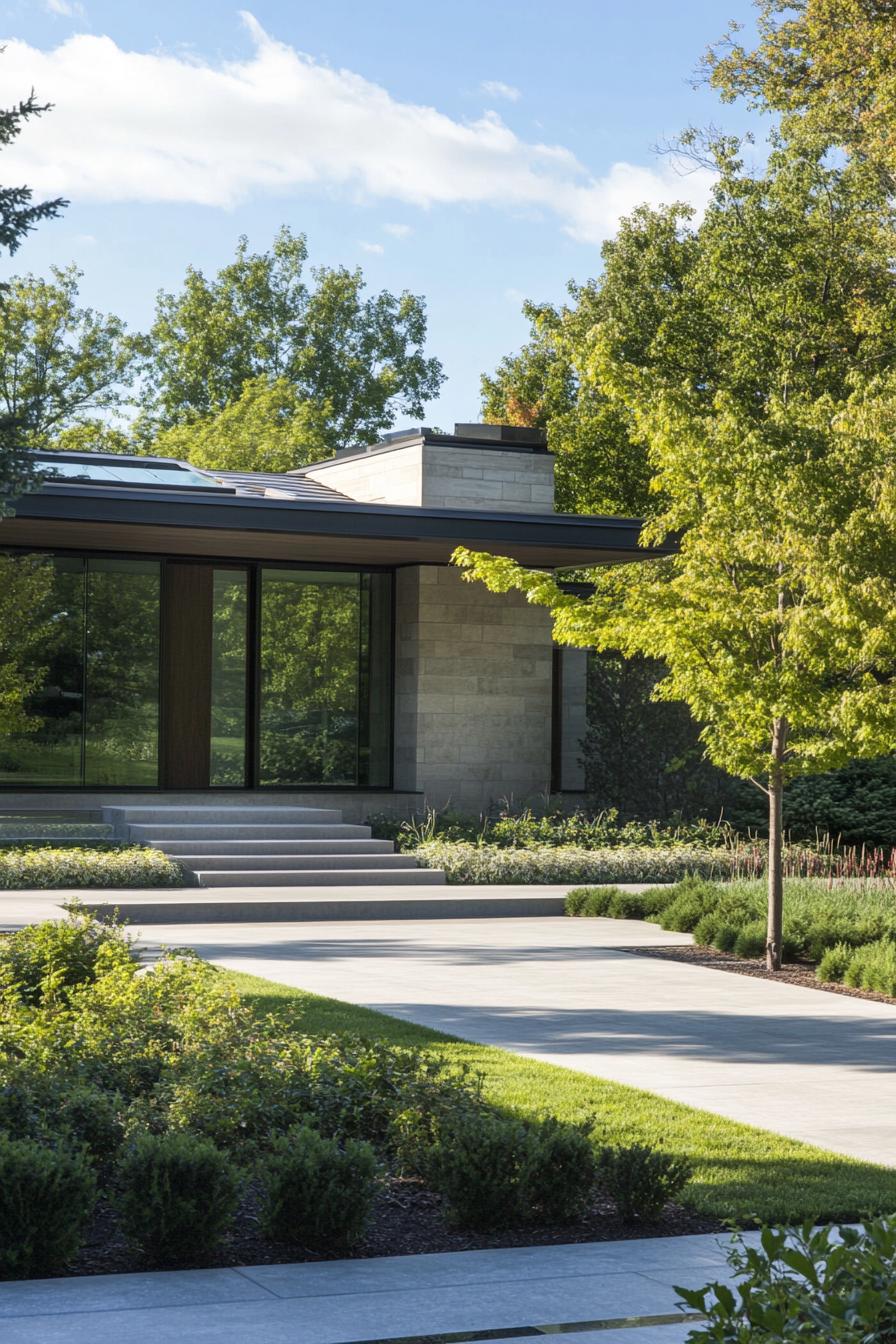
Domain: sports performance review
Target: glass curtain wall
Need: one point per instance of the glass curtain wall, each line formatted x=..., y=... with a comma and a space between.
x=300, y=675
x=80, y=656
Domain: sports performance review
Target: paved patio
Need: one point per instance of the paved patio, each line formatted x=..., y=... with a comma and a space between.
x=593, y=1287
x=789, y=1059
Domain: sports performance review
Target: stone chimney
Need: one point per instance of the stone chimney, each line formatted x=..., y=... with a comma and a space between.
x=495, y=468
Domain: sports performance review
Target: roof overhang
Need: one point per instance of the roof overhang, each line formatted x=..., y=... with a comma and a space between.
x=116, y=518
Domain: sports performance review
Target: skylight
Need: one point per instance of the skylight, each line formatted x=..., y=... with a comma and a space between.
x=117, y=471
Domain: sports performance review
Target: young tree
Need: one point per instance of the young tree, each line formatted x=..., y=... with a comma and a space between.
x=60, y=365
x=772, y=452
x=359, y=361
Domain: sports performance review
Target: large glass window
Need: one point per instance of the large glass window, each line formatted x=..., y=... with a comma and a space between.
x=81, y=658
x=288, y=675
x=309, y=693
x=228, y=677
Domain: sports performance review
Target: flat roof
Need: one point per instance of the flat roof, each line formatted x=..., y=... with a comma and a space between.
x=255, y=515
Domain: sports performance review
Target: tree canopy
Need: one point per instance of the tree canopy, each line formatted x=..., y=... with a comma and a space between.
x=766, y=401
x=555, y=382
x=353, y=362
x=828, y=66
x=61, y=366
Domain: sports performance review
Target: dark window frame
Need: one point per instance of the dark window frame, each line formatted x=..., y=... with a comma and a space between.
x=253, y=568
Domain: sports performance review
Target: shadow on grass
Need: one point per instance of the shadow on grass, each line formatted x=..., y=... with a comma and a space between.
x=743, y=1174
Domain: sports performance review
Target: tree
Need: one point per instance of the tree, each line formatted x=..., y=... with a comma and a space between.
x=24, y=585
x=555, y=383
x=772, y=452
x=19, y=214
x=828, y=66
x=268, y=428
x=359, y=361
x=60, y=365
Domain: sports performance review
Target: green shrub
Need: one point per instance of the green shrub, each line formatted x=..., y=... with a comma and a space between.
x=873, y=967
x=46, y=1197
x=706, y=930
x=177, y=1196
x=692, y=899
x=835, y=963
x=752, y=939
x=42, y=959
x=499, y=1171
x=315, y=1191
x=483, y=863
x=123, y=866
x=832, y=1284
x=592, y=902
x=641, y=1180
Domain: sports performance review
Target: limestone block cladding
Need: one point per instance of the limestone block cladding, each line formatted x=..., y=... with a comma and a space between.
x=473, y=691
x=441, y=476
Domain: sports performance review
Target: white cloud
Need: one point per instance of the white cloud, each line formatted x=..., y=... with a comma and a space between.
x=153, y=126
x=496, y=88
x=372, y=247
x=398, y=230
x=68, y=9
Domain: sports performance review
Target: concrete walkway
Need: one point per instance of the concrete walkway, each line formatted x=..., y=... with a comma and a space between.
x=811, y=1065
x=595, y=1289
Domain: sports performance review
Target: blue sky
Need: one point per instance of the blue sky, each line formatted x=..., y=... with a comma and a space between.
x=475, y=153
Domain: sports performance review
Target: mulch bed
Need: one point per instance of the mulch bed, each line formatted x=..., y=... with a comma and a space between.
x=800, y=973
x=407, y=1219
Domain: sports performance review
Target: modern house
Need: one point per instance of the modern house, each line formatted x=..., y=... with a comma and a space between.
x=198, y=636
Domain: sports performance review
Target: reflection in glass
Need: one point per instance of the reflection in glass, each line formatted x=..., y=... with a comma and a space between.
x=309, y=692
x=376, y=679
x=42, y=670
x=228, y=679
x=121, y=740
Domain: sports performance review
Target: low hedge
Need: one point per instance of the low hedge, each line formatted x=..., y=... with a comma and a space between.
x=849, y=929
x=463, y=862
x=123, y=866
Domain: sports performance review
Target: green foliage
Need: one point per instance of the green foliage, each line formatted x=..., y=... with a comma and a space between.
x=60, y=364
x=499, y=1170
x=267, y=428
x=836, y=1284
x=177, y=1196
x=835, y=963
x=873, y=967
x=857, y=804
x=827, y=66
x=240, y=340
x=46, y=1198
x=41, y=960
x=24, y=584
x=526, y=828
x=642, y=1180
x=602, y=462
x=564, y=863
x=77, y=866
x=825, y=922
x=316, y=1191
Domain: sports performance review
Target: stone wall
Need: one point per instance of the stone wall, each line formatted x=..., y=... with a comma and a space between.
x=442, y=476
x=573, y=717
x=473, y=691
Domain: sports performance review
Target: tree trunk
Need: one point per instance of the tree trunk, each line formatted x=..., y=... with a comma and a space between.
x=774, y=936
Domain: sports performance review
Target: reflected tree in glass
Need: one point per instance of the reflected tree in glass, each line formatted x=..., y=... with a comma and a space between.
x=310, y=670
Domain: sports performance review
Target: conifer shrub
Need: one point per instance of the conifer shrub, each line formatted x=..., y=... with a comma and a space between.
x=177, y=1196
x=835, y=963
x=641, y=1180
x=316, y=1191
x=46, y=1197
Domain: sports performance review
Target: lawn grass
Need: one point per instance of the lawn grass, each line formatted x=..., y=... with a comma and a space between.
x=741, y=1174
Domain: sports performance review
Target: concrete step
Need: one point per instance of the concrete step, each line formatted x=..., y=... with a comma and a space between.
x=280, y=907
x=195, y=848
x=157, y=834
x=211, y=815
x=293, y=862
x=320, y=877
